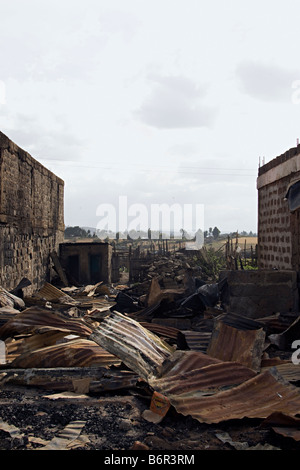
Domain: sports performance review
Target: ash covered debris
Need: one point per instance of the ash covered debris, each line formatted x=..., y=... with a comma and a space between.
x=116, y=346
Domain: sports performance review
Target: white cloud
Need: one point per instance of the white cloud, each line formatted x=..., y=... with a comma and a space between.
x=266, y=82
x=176, y=102
x=152, y=99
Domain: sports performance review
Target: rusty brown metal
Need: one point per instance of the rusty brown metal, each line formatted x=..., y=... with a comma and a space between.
x=161, y=330
x=288, y=432
x=194, y=340
x=288, y=370
x=207, y=388
x=283, y=424
x=233, y=344
x=207, y=380
x=53, y=294
x=257, y=397
x=140, y=349
x=17, y=346
x=76, y=353
x=34, y=318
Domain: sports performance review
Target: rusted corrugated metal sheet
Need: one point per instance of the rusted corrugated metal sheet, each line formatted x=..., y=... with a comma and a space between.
x=293, y=433
x=139, y=349
x=6, y=314
x=53, y=294
x=194, y=340
x=15, y=347
x=10, y=300
x=233, y=344
x=285, y=425
x=257, y=397
x=34, y=318
x=193, y=381
x=161, y=330
x=288, y=370
x=191, y=373
x=77, y=353
x=239, y=321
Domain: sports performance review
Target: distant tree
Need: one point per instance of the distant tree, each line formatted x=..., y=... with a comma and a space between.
x=205, y=233
x=78, y=232
x=216, y=232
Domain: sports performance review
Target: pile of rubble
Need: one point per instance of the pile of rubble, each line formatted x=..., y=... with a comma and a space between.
x=170, y=270
x=169, y=359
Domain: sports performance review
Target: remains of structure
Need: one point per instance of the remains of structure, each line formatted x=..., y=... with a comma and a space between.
x=278, y=212
x=215, y=350
x=31, y=217
x=275, y=286
x=86, y=263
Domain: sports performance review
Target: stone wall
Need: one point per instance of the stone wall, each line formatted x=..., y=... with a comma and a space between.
x=31, y=217
x=278, y=228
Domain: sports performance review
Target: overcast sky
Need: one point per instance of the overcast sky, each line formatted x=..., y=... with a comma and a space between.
x=165, y=101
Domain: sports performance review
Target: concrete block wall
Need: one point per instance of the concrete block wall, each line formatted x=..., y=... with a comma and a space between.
x=274, y=227
x=256, y=294
x=278, y=228
x=31, y=217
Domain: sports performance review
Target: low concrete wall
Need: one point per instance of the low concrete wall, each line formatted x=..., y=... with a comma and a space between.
x=261, y=293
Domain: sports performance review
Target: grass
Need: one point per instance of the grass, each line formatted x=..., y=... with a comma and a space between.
x=250, y=241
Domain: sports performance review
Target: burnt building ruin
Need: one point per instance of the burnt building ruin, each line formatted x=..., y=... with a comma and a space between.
x=86, y=263
x=31, y=217
x=275, y=286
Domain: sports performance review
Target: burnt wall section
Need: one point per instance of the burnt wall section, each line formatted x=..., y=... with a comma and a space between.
x=31, y=217
x=278, y=227
x=257, y=294
x=87, y=263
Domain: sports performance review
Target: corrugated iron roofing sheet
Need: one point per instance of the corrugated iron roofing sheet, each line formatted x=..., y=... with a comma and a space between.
x=76, y=353
x=191, y=373
x=289, y=371
x=239, y=321
x=257, y=397
x=34, y=318
x=139, y=349
x=166, y=331
x=233, y=344
x=194, y=340
x=53, y=294
x=192, y=380
x=283, y=424
x=15, y=347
